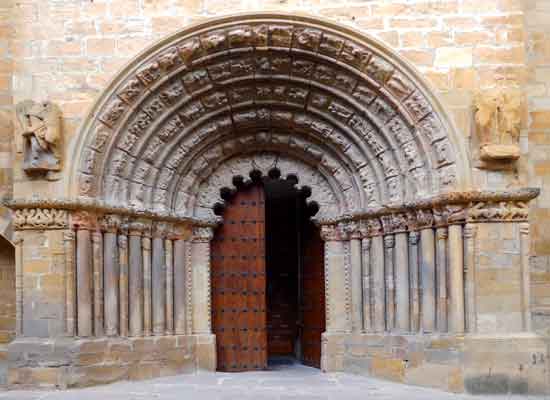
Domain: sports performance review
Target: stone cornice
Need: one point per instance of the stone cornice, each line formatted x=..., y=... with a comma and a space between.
x=100, y=207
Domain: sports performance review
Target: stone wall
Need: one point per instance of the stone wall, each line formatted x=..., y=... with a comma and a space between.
x=537, y=16
x=7, y=291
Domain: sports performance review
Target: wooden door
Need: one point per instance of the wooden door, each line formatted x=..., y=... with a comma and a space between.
x=238, y=284
x=312, y=296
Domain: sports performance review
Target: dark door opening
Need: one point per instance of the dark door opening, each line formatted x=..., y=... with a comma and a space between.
x=268, y=300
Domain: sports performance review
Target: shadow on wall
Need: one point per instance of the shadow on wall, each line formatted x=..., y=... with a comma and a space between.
x=7, y=291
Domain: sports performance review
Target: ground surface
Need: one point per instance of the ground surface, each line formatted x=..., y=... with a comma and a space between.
x=285, y=382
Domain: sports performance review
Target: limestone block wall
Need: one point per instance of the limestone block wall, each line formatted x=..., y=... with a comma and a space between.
x=537, y=14
x=7, y=291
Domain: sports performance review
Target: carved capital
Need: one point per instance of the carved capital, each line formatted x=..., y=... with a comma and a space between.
x=352, y=229
x=374, y=227
x=110, y=223
x=84, y=220
x=202, y=234
x=442, y=233
x=162, y=229
x=331, y=233
x=139, y=228
x=424, y=219
x=40, y=218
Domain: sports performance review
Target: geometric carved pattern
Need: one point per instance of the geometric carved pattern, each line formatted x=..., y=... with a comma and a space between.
x=327, y=99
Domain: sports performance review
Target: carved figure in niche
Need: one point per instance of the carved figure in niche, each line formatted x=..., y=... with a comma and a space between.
x=498, y=117
x=40, y=125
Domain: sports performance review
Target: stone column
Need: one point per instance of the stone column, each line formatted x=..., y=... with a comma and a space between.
x=352, y=229
x=366, y=267
x=19, y=285
x=456, y=279
x=389, y=243
x=110, y=225
x=525, y=275
x=135, y=281
x=427, y=270
x=85, y=224
x=147, y=290
x=97, y=262
x=441, y=235
x=469, y=277
x=158, y=275
x=337, y=303
x=180, y=285
x=377, y=272
x=416, y=295
x=123, y=257
x=402, y=295
x=169, y=258
x=200, y=260
x=201, y=298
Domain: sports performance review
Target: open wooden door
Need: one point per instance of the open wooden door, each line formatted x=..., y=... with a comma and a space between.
x=238, y=284
x=312, y=295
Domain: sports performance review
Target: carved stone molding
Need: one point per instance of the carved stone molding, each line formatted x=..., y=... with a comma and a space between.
x=41, y=218
x=342, y=105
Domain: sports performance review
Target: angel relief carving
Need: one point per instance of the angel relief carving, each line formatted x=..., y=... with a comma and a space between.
x=498, y=119
x=40, y=129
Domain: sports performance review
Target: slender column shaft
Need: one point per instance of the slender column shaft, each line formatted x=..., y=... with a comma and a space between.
x=414, y=277
x=97, y=262
x=70, y=284
x=389, y=243
x=366, y=270
x=19, y=284
x=136, y=285
x=338, y=318
x=200, y=256
x=525, y=276
x=112, y=277
x=180, y=292
x=402, y=296
x=427, y=272
x=378, y=286
x=169, y=257
x=123, y=282
x=356, y=286
x=159, y=286
x=84, y=282
x=470, y=270
x=456, y=279
x=441, y=276
x=147, y=302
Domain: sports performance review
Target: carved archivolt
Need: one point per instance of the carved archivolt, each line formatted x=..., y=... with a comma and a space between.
x=316, y=93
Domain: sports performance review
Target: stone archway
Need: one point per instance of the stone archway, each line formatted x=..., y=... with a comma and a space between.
x=355, y=121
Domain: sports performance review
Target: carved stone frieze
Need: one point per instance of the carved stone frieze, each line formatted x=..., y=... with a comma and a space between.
x=202, y=234
x=40, y=218
x=502, y=211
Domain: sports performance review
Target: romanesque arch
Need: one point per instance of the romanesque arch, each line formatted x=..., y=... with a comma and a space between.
x=334, y=100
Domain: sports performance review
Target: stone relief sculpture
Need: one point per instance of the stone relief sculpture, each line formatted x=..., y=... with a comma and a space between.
x=497, y=116
x=40, y=128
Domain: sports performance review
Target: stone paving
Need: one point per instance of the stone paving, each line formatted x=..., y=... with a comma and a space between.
x=286, y=382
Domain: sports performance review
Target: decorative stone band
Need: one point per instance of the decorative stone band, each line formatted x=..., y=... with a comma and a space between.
x=443, y=210
x=62, y=213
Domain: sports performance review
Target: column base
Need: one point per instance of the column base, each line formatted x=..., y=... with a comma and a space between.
x=206, y=352
x=332, y=351
x=75, y=362
x=476, y=364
